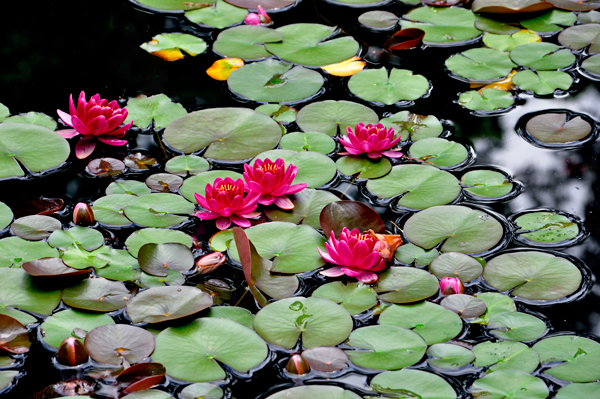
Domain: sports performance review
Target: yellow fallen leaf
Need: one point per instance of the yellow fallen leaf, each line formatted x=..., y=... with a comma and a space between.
x=504, y=84
x=221, y=69
x=345, y=68
x=172, y=54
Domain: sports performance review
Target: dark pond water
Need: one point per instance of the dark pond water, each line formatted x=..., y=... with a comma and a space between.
x=53, y=49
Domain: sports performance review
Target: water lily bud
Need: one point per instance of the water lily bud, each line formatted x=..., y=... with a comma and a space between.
x=71, y=353
x=297, y=365
x=452, y=285
x=209, y=263
x=83, y=214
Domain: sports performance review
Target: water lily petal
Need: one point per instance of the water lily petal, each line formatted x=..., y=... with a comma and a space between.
x=84, y=148
x=335, y=271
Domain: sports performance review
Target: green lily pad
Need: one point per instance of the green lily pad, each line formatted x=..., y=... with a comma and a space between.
x=580, y=36
x=131, y=187
x=190, y=352
x=543, y=82
x=109, y=210
x=229, y=133
x=274, y=81
x=158, y=210
x=86, y=238
x=385, y=347
x=579, y=357
x=6, y=378
x=553, y=127
x=50, y=149
x=148, y=394
x=197, y=184
x=4, y=112
x=509, y=384
x=375, y=85
x=576, y=391
x=496, y=303
x=412, y=383
x=319, y=321
x=98, y=294
x=307, y=44
x=456, y=264
x=158, y=259
x=314, y=391
x=167, y=303
x=486, y=183
x=410, y=253
x=6, y=215
x=120, y=266
x=15, y=251
x=481, y=64
x=420, y=186
x=378, y=19
x=546, y=276
x=173, y=278
x=550, y=22
x=202, y=390
x=245, y=42
x=333, y=117
x=156, y=236
x=443, y=25
x=191, y=44
x=280, y=113
x=33, y=118
x=462, y=229
x=119, y=343
x=18, y=290
x=241, y=315
x=542, y=56
x=503, y=42
x=495, y=26
x=308, y=205
x=592, y=64
x=310, y=141
x=354, y=297
x=164, y=182
x=465, y=306
x=80, y=258
x=506, y=356
x=363, y=167
x=486, y=100
x=546, y=227
x=514, y=326
x=158, y=108
x=218, y=15
x=405, y=285
x=219, y=242
x=62, y=325
x=167, y=5
x=448, y=356
x=182, y=165
x=313, y=168
x=412, y=126
x=35, y=227
x=439, y=152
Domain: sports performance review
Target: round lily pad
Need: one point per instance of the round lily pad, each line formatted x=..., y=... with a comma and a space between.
x=308, y=205
x=314, y=391
x=158, y=210
x=202, y=390
x=131, y=187
x=515, y=326
x=580, y=36
x=415, y=383
x=230, y=134
x=496, y=303
x=280, y=113
x=6, y=215
x=245, y=42
x=591, y=65
x=86, y=238
x=167, y=303
x=465, y=306
x=313, y=168
x=165, y=5
x=326, y=358
x=34, y=118
x=159, y=108
x=481, y=64
x=576, y=391
x=378, y=19
x=309, y=141
x=509, y=383
x=506, y=356
x=542, y=56
x=164, y=182
x=503, y=42
x=543, y=82
x=81, y=259
x=550, y=22
x=375, y=85
x=553, y=127
x=98, y=294
x=158, y=259
x=148, y=394
x=462, y=229
x=509, y=7
x=363, y=167
x=448, y=356
x=410, y=253
x=456, y=264
x=405, y=285
x=115, y=343
x=197, y=184
x=190, y=352
x=15, y=251
x=35, y=227
x=573, y=358
x=442, y=26
x=274, y=81
x=218, y=15
x=275, y=5
x=182, y=165
x=51, y=267
x=354, y=297
x=333, y=117
x=105, y=167
x=18, y=290
x=546, y=276
x=439, y=152
x=120, y=265
x=486, y=183
x=71, y=323
x=241, y=315
x=486, y=100
x=385, y=347
x=319, y=321
x=591, y=17
x=109, y=210
x=156, y=236
x=173, y=278
x=413, y=126
x=546, y=228
x=496, y=26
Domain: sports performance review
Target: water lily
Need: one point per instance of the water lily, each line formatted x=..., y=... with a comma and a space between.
x=273, y=181
x=451, y=286
x=96, y=119
x=388, y=244
x=376, y=141
x=225, y=202
x=83, y=215
x=357, y=254
x=262, y=18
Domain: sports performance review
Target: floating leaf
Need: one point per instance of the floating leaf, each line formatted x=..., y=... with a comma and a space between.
x=245, y=42
x=486, y=100
x=579, y=357
x=576, y=391
x=14, y=337
x=7, y=377
x=265, y=4
x=405, y=39
x=448, y=356
x=158, y=108
x=203, y=390
x=170, y=5
x=241, y=315
x=33, y=118
x=167, y=303
x=156, y=236
x=506, y=356
x=331, y=117
x=375, y=85
x=405, y=285
x=553, y=127
x=363, y=167
x=308, y=205
x=173, y=278
x=351, y=214
x=546, y=227
x=456, y=264
x=119, y=266
x=576, y=5
x=465, y=306
x=410, y=253
x=504, y=42
x=442, y=25
x=509, y=383
x=542, y=56
x=495, y=26
x=197, y=184
x=131, y=187
x=509, y=6
x=109, y=210
x=14, y=251
x=280, y=113
x=495, y=303
x=310, y=141
x=550, y=22
x=314, y=168
x=314, y=391
x=592, y=64
x=158, y=210
x=6, y=215
x=148, y=394
x=415, y=383
x=481, y=64
x=168, y=46
x=139, y=161
x=34, y=228
x=70, y=323
x=4, y=112
x=18, y=290
x=486, y=183
x=219, y=15
x=591, y=17
x=164, y=182
x=98, y=294
x=86, y=238
x=105, y=167
x=513, y=326
x=345, y=68
x=158, y=259
x=51, y=267
x=182, y=165
x=116, y=343
x=79, y=258
x=439, y=152
x=412, y=126
x=354, y=297
x=326, y=358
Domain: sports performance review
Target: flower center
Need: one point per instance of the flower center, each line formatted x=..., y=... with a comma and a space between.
x=269, y=168
x=363, y=237
x=226, y=187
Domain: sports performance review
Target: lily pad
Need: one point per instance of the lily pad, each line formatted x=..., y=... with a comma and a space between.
x=506, y=356
x=62, y=325
x=333, y=117
x=465, y=306
x=363, y=167
x=405, y=285
x=486, y=100
x=86, y=238
x=79, y=258
x=546, y=227
x=109, y=210
x=280, y=113
x=496, y=26
x=542, y=82
x=503, y=42
x=245, y=42
x=432, y=322
x=314, y=391
x=14, y=336
x=592, y=65
x=550, y=22
x=314, y=169
x=456, y=264
x=453, y=25
x=119, y=266
x=168, y=46
x=375, y=85
x=35, y=227
x=553, y=127
x=573, y=358
x=15, y=251
x=51, y=267
x=166, y=5
x=190, y=353
x=158, y=259
x=158, y=108
x=546, y=276
x=576, y=391
x=481, y=64
x=274, y=81
x=164, y=182
x=182, y=165
x=230, y=134
x=542, y=56
x=515, y=326
x=410, y=253
x=173, y=278
x=148, y=394
x=218, y=15
x=202, y=390
x=308, y=205
x=156, y=236
x=496, y=303
x=6, y=216
x=307, y=44
x=576, y=5
x=462, y=229
x=486, y=183
x=116, y=343
x=415, y=383
x=131, y=187
x=591, y=17
x=440, y=152
x=241, y=315
x=448, y=356
x=351, y=214
x=354, y=297
x=98, y=294
x=33, y=118
x=509, y=6
x=509, y=383
x=19, y=291
x=167, y=303
x=385, y=347
x=581, y=36
x=197, y=184
x=7, y=377
x=326, y=358
x=319, y=321
x=310, y=141
x=265, y=4
x=158, y=210
x=378, y=19
x=413, y=126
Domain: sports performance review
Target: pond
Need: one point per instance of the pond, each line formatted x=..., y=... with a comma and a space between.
x=496, y=185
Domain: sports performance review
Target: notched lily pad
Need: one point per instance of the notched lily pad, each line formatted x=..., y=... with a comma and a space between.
x=449, y=356
x=167, y=303
x=410, y=253
x=442, y=26
x=158, y=210
x=413, y=127
x=439, y=152
x=219, y=14
x=158, y=109
x=35, y=228
x=354, y=297
x=168, y=46
x=333, y=117
x=542, y=56
x=486, y=100
x=542, y=82
x=158, y=259
x=375, y=85
x=245, y=42
x=546, y=228
x=413, y=383
x=578, y=357
x=481, y=65
x=554, y=128
x=506, y=356
x=117, y=343
x=486, y=184
x=98, y=294
x=405, y=285
x=465, y=306
x=456, y=264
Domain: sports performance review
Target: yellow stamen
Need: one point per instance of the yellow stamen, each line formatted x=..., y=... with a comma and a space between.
x=226, y=187
x=269, y=168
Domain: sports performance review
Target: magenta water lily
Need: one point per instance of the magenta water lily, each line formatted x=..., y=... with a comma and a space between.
x=373, y=140
x=451, y=286
x=96, y=119
x=262, y=18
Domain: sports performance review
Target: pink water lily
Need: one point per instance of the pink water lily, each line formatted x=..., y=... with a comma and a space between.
x=225, y=202
x=451, y=286
x=357, y=254
x=96, y=119
x=273, y=181
x=376, y=141
x=262, y=18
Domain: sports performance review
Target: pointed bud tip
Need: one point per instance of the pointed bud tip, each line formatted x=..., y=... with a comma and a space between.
x=83, y=215
x=297, y=365
x=71, y=353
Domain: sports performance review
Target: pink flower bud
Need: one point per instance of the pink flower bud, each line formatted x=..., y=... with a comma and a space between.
x=252, y=19
x=83, y=214
x=210, y=262
x=452, y=285
x=71, y=353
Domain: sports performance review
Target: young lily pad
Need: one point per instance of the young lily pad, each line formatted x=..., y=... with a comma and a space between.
x=432, y=322
x=98, y=294
x=190, y=352
x=70, y=323
x=313, y=168
x=105, y=167
x=182, y=165
x=307, y=44
x=15, y=251
x=448, y=356
x=218, y=15
x=164, y=182
x=310, y=141
x=581, y=36
x=158, y=210
x=35, y=227
x=385, y=347
x=18, y=290
x=462, y=229
x=86, y=238
x=420, y=186
x=506, y=356
x=576, y=391
x=481, y=64
x=314, y=391
x=410, y=253
x=158, y=259
x=116, y=343
x=553, y=127
x=546, y=276
x=456, y=264
x=405, y=285
x=514, y=326
x=509, y=384
x=245, y=42
x=495, y=303
x=509, y=6
x=158, y=108
x=378, y=20
x=546, y=227
x=308, y=205
x=412, y=126
x=486, y=100
x=439, y=152
x=333, y=117
x=415, y=383
x=202, y=390
x=550, y=22
x=229, y=133
x=375, y=85
x=326, y=358
x=33, y=118
x=465, y=306
x=120, y=266
x=156, y=236
x=578, y=356
x=542, y=56
x=354, y=297
x=6, y=216
x=503, y=42
x=50, y=151
x=167, y=303
x=442, y=26
x=197, y=184
x=542, y=82
x=486, y=183
x=173, y=278
x=319, y=321
x=168, y=46
x=131, y=187
x=51, y=267
x=363, y=167
x=274, y=81
x=219, y=242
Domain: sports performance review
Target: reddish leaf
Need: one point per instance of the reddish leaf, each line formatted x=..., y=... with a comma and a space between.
x=405, y=39
x=51, y=267
x=142, y=376
x=440, y=3
x=43, y=206
x=14, y=337
x=248, y=255
x=350, y=214
x=105, y=167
